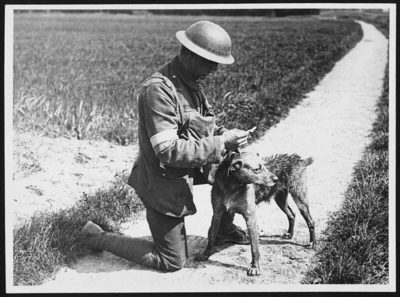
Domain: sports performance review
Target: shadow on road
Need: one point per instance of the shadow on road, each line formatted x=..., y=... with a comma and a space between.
x=100, y=262
x=278, y=240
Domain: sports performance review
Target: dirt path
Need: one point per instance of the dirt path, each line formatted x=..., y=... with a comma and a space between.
x=52, y=174
x=332, y=126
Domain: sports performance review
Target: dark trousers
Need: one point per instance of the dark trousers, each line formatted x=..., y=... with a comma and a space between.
x=167, y=252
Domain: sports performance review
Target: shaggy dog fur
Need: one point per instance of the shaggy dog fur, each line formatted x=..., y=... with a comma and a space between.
x=243, y=180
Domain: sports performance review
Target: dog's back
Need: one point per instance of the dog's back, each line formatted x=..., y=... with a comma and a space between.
x=290, y=170
x=284, y=165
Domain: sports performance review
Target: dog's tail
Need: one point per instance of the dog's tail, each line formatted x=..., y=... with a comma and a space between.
x=308, y=161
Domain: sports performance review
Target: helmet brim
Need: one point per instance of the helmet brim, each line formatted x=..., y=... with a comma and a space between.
x=186, y=42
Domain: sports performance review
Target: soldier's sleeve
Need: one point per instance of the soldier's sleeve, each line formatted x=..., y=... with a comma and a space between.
x=161, y=122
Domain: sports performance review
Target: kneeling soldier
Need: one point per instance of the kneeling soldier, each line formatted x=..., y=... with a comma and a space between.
x=178, y=143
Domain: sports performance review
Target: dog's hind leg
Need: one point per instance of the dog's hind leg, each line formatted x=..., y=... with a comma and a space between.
x=281, y=200
x=305, y=212
x=212, y=235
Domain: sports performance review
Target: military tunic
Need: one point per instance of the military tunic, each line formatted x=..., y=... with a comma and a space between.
x=177, y=139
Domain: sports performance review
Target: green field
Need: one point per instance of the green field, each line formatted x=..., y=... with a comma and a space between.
x=79, y=72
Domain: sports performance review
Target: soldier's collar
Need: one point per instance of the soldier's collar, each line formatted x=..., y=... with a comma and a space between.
x=185, y=75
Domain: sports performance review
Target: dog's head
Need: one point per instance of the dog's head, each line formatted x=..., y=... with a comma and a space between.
x=248, y=168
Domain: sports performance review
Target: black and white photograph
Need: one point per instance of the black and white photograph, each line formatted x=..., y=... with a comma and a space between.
x=200, y=147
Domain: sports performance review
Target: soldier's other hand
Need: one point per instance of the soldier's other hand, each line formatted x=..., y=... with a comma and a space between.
x=234, y=138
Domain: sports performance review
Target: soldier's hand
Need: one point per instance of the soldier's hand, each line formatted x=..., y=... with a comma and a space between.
x=234, y=138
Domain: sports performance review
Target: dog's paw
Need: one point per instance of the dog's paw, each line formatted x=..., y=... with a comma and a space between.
x=202, y=257
x=287, y=235
x=253, y=271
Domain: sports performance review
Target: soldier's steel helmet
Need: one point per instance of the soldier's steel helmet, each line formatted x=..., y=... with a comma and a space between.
x=208, y=40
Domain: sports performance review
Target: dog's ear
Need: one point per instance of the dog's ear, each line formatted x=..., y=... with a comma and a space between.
x=236, y=165
x=231, y=154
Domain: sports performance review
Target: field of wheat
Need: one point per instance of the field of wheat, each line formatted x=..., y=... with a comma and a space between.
x=75, y=75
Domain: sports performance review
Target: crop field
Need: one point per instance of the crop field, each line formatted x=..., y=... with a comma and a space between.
x=77, y=74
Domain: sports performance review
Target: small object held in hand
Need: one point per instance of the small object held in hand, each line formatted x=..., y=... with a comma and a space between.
x=252, y=129
x=234, y=138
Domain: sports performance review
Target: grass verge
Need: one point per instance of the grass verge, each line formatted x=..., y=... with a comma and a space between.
x=356, y=248
x=49, y=241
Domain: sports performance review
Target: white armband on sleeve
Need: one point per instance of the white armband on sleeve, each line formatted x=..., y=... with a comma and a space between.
x=162, y=140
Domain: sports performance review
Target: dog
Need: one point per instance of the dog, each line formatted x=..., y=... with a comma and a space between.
x=243, y=180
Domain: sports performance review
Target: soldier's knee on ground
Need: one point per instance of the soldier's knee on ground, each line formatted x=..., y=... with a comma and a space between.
x=173, y=264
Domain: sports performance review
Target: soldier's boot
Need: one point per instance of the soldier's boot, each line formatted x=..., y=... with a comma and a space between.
x=138, y=250
x=230, y=233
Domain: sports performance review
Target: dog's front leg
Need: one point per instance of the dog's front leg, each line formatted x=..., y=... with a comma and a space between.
x=212, y=235
x=253, y=233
